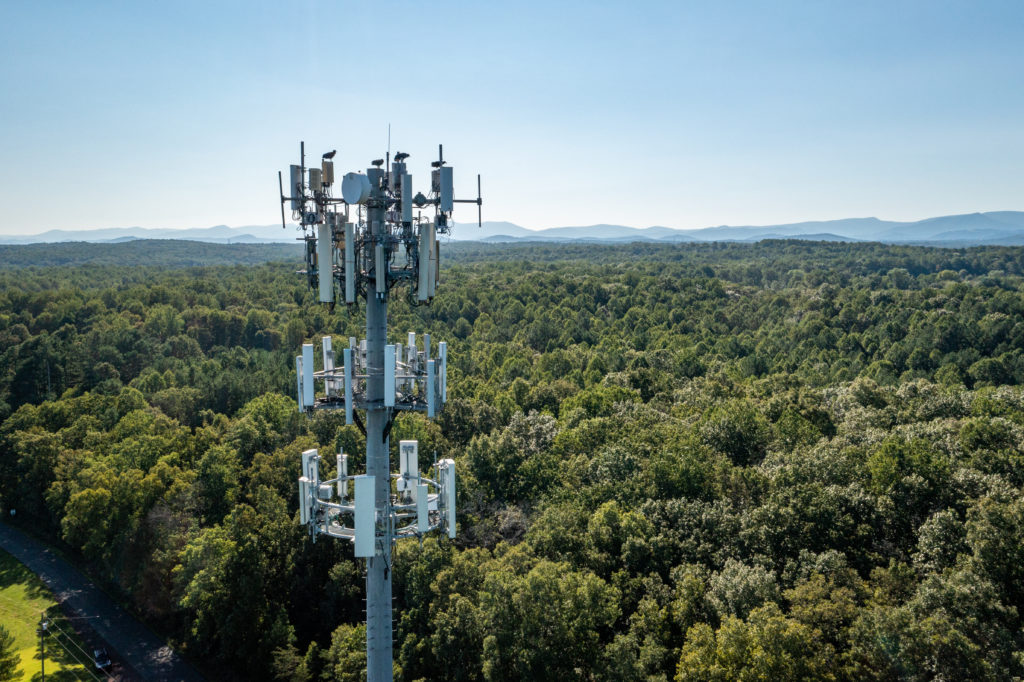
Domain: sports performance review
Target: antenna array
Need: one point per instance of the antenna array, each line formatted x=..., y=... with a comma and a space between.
x=362, y=246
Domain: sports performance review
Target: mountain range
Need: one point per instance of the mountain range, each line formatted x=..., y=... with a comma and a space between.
x=995, y=227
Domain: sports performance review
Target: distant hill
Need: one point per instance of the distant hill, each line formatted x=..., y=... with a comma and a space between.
x=817, y=237
x=996, y=228
x=219, y=234
x=153, y=252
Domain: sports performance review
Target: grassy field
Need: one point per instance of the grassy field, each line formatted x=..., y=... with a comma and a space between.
x=23, y=598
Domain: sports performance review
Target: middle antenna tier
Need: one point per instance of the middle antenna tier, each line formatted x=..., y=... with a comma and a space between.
x=413, y=380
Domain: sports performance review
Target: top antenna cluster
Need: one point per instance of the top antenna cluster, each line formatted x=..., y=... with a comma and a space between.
x=337, y=229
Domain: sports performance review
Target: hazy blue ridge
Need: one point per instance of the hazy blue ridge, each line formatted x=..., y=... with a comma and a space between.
x=996, y=228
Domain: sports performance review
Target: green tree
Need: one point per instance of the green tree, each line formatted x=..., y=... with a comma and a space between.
x=9, y=658
x=345, y=660
x=264, y=424
x=217, y=483
x=953, y=627
x=514, y=464
x=738, y=589
x=994, y=531
x=88, y=519
x=550, y=608
x=230, y=580
x=766, y=646
x=737, y=430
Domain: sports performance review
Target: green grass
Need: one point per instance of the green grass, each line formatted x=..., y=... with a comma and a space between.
x=23, y=598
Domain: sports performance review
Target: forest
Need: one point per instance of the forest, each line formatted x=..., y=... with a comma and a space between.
x=776, y=461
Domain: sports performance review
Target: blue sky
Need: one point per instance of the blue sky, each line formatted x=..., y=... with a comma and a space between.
x=680, y=114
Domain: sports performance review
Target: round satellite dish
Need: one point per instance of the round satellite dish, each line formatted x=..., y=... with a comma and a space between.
x=355, y=188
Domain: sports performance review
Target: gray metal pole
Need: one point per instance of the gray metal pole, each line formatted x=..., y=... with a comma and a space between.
x=379, y=666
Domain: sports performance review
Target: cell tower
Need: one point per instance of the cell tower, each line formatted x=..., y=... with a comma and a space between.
x=363, y=245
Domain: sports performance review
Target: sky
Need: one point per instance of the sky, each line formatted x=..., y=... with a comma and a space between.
x=681, y=114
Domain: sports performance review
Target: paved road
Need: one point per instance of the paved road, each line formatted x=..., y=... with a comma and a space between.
x=129, y=640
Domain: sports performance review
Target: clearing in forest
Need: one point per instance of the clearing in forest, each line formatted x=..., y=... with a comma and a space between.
x=23, y=598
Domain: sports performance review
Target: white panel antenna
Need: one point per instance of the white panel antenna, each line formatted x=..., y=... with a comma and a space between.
x=309, y=465
x=307, y=375
x=380, y=270
x=442, y=351
x=395, y=177
x=408, y=466
x=350, y=263
x=304, y=500
x=365, y=516
x=329, y=384
x=298, y=382
x=447, y=189
x=406, y=198
x=411, y=361
x=449, y=494
x=324, y=257
x=431, y=393
x=423, y=286
x=342, y=475
x=296, y=187
x=436, y=266
x=347, y=356
x=432, y=260
x=422, y=511
x=389, y=376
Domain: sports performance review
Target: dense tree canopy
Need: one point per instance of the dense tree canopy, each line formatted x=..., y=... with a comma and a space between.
x=784, y=460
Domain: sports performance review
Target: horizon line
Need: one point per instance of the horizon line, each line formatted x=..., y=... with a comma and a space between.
x=532, y=229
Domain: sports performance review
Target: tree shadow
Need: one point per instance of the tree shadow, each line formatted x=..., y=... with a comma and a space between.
x=57, y=676
x=13, y=572
x=54, y=653
x=61, y=649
